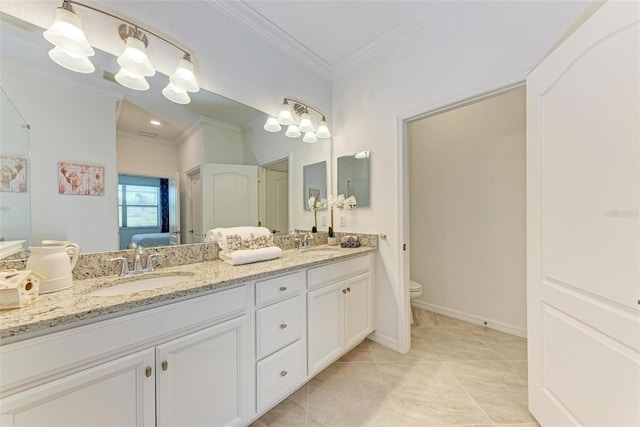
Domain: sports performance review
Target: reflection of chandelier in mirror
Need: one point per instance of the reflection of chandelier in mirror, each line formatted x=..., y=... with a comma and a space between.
x=72, y=51
x=304, y=125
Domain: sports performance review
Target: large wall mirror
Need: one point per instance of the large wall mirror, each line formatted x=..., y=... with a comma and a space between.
x=89, y=119
x=353, y=177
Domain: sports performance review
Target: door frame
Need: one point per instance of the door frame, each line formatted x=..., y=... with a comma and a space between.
x=491, y=89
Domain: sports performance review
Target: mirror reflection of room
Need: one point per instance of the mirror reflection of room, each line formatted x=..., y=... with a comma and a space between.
x=90, y=118
x=353, y=177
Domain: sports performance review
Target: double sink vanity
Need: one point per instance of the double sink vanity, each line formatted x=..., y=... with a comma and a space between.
x=197, y=344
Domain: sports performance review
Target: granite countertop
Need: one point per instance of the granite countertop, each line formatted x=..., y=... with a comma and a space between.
x=74, y=306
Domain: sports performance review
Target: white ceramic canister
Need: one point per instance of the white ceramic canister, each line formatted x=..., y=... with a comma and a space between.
x=55, y=263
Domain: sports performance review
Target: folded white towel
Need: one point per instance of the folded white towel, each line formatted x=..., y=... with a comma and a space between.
x=251, y=255
x=212, y=235
x=246, y=233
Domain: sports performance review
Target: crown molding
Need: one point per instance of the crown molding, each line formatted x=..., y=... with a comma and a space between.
x=219, y=123
x=250, y=18
x=392, y=37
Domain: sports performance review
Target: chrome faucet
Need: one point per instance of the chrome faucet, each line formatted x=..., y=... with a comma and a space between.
x=306, y=241
x=137, y=264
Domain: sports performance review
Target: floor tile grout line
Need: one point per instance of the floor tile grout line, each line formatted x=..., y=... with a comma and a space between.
x=468, y=394
x=384, y=388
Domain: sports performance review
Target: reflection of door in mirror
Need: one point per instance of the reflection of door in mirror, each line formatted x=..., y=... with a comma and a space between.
x=174, y=210
x=224, y=196
x=277, y=197
x=15, y=212
x=195, y=208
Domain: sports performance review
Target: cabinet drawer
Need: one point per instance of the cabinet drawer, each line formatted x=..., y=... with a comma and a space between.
x=338, y=271
x=279, y=373
x=278, y=288
x=278, y=325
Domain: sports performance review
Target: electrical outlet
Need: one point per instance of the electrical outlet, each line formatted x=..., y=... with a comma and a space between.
x=343, y=220
x=323, y=220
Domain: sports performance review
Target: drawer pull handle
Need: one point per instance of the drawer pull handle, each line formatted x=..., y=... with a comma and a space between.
x=148, y=372
x=283, y=325
x=283, y=288
x=283, y=373
x=165, y=365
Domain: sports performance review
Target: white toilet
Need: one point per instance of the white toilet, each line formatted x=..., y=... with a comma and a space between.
x=416, y=291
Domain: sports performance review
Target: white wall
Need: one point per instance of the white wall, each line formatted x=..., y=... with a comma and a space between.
x=140, y=155
x=474, y=48
x=73, y=125
x=467, y=210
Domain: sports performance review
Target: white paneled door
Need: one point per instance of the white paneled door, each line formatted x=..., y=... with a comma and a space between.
x=583, y=233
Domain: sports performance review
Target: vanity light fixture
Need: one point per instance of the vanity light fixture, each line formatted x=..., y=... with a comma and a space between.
x=304, y=125
x=72, y=51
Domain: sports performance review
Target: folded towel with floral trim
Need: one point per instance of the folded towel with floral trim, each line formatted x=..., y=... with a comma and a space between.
x=248, y=256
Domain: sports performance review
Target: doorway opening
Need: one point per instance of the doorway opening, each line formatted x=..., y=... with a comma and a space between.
x=464, y=210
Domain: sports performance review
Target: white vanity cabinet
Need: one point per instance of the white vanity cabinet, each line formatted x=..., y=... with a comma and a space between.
x=280, y=338
x=199, y=377
x=185, y=363
x=341, y=308
x=115, y=393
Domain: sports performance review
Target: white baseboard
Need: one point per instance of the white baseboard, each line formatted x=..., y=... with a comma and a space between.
x=384, y=340
x=472, y=318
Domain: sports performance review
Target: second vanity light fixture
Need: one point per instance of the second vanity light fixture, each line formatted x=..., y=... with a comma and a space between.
x=286, y=118
x=72, y=51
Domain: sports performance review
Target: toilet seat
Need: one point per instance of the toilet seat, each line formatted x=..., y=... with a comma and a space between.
x=416, y=289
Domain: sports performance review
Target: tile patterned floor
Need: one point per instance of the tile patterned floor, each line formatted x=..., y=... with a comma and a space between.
x=456, y=373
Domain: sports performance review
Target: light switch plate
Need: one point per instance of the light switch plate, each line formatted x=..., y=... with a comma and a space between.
x=323, y=220
x=343, y=220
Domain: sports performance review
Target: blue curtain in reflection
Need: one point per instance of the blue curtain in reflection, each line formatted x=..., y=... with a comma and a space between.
x=164, y=204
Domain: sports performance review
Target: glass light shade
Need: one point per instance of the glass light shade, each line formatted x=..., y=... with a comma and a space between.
x=134, y=58
x=293, y=131
x=66, y=32
x=175, y=94
x=310, y=137
x=305, y=124
x=323, y=130
x=183, y=77
x=285, y=117
x=272, y=125
x=77, y=63
x=131, y=80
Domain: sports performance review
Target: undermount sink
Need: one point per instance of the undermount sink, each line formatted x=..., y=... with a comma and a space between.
x=321, y=252
x=140, y=284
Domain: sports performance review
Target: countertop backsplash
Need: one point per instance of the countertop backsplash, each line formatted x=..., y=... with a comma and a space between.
x=99, y=264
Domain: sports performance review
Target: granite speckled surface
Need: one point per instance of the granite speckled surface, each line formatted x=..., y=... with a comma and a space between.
x=75, y=306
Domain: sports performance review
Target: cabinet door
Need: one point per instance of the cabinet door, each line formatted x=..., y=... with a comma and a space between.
x=201, y=378
x=116, y=393
x=325, y=323
x=358, y=313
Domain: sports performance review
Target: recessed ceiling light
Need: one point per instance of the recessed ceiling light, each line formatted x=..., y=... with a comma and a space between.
x=154, y=122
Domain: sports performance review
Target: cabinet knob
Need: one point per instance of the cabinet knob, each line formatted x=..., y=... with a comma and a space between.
x=283, y=288
x=344, y=291
x=165, y=365
x=349, y=289
x=283, y=373
x=283, y=325
x=148, y=372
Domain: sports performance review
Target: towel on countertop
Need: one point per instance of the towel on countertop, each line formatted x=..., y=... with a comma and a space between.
x=240, y=238
x=251, y=255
